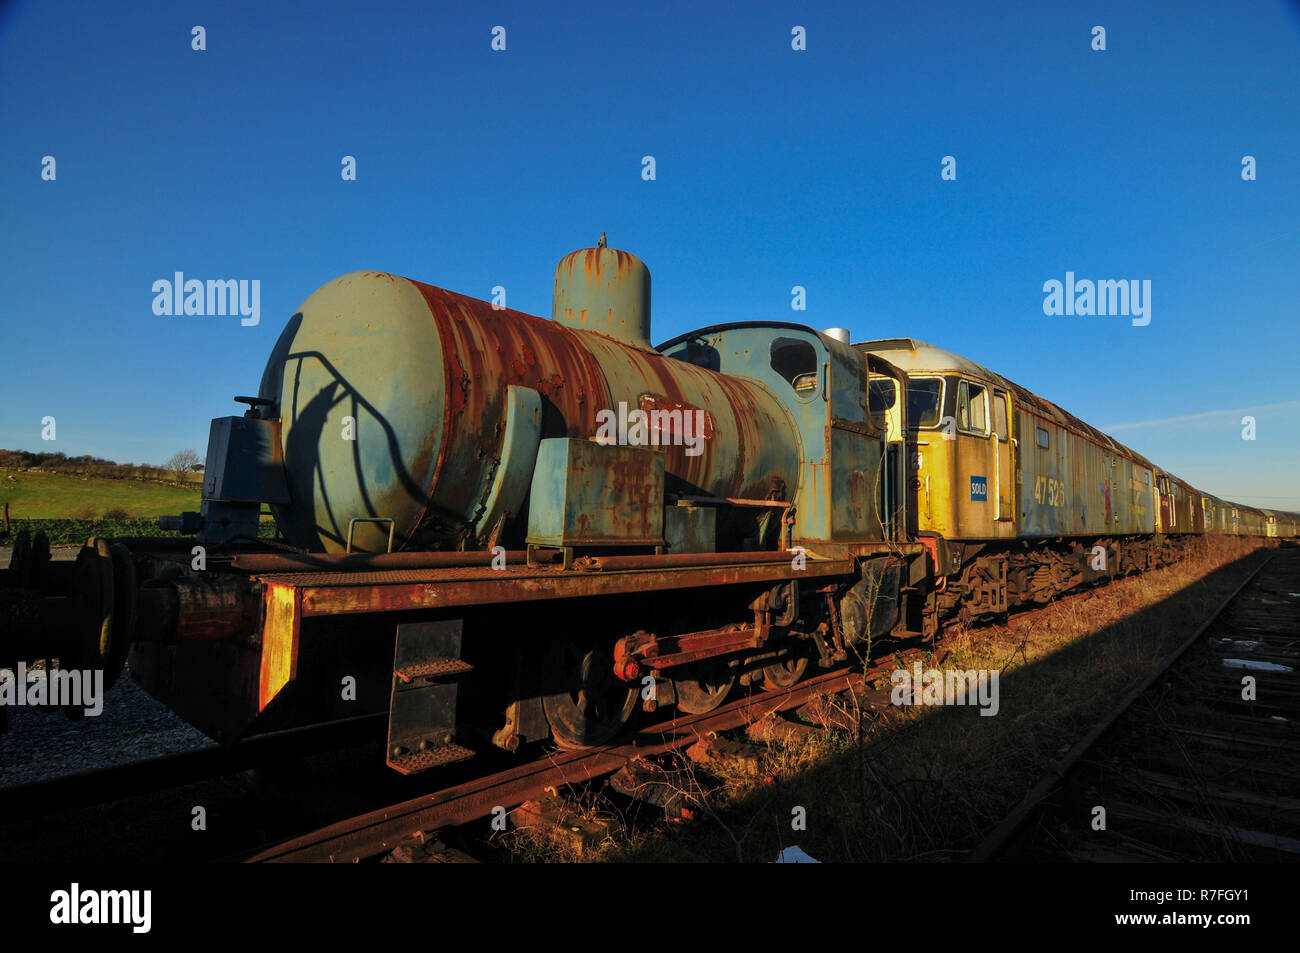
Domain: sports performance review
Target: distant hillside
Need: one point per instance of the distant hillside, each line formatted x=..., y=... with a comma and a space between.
x=88, y=466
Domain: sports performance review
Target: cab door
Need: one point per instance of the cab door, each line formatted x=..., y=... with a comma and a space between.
x=1004, y=462
x=980, y=456
x=1166, y=499
x=886, y=387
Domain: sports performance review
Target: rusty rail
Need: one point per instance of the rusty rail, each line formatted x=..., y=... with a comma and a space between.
x=370, y=835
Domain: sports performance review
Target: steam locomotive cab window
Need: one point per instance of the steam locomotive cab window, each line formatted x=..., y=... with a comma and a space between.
x=796, y=362
x=700, y=353
x=881, y=395
x=972, y=408
x=924, y=401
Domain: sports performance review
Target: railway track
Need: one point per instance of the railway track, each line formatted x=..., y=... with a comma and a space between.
x=1199, y=762
x=374, y=834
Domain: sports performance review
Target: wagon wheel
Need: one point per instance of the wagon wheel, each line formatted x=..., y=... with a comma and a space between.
x=703, y=686
x=785, y=671
x=590, y=704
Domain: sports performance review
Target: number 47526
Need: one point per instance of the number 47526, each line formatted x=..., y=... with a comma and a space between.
x=1049, y=490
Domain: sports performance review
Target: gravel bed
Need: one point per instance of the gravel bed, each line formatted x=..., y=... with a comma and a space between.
x=43, y=743
x=57, y=553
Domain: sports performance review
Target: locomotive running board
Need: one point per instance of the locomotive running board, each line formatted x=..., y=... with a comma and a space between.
x=422, y=713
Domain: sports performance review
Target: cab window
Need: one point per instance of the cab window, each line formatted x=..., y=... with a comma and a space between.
x=924, y=401
x=972, y=408
x=796, y=361
x=1000, y=416
x=881, y=395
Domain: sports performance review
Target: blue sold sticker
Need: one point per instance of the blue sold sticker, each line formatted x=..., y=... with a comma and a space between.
x=979, y=489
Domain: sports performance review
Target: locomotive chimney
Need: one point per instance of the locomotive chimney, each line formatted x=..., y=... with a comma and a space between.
x=604, y=290
x=837, y=334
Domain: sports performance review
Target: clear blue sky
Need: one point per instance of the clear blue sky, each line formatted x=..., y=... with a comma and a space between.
x=775, y=168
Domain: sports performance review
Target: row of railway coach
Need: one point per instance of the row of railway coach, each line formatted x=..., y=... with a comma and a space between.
x=1015, y=495
x=501, y=529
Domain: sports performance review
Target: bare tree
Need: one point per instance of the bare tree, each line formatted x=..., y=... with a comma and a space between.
x=184, y=461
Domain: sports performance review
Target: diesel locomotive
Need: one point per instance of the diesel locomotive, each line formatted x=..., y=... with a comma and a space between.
x=501, y=529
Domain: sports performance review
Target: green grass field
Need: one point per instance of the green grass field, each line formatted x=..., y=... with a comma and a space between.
x=41, y=496
x=70, y=509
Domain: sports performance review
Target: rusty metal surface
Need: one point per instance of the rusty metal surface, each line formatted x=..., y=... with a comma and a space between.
x=680, y=560
x=1077, y=486
x=422, y=723
x=450, y=666
x=644, y=651
x=259, y=563
x=604, y=290
x=324, y=594
x=418, y=761
x=748, y=442
x=520, y=568
x=424, y=374
x=214, y=606
x=690, y=529
x=822, y=387
x=589, y=494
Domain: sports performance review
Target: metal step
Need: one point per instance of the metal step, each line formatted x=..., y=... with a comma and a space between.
x=432, y=668
x=436, y=756
x=422, y=709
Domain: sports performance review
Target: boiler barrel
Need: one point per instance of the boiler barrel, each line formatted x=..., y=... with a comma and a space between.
x=392, y=400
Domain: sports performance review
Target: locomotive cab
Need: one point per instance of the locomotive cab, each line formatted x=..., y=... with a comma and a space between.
x=961, y=418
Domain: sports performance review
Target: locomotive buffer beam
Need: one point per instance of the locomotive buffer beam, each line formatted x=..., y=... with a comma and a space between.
x=422, y=713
